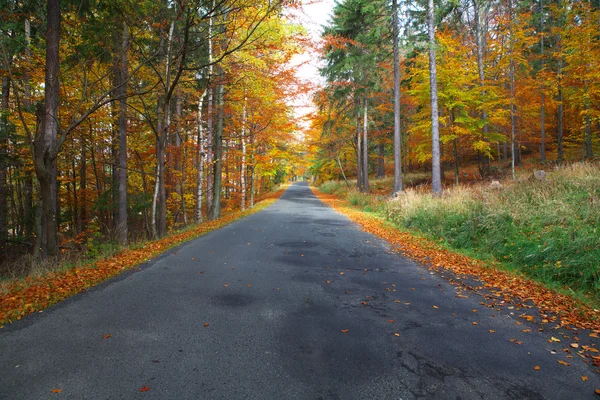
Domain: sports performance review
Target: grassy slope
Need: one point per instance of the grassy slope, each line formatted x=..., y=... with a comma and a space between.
x=548, y=230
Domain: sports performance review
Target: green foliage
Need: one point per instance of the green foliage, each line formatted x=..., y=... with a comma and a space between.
x=548, y=230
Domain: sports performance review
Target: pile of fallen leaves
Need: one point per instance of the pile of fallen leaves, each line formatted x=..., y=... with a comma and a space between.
x=499, y=287
x=33, y=294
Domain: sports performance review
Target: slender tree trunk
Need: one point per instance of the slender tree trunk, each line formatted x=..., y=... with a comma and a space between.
x=456, y=170
x=365, y=144
x=4, y=130
x=122, y=73
x=83, y=188
x=200, y=158
x=28, y=184
x=359, y=172
x=380, y=160
x=512, y=92
x=559, y=127
x=210, y=116
x=252, y=173
x=436, y=181
x=398, y=187
x=243, y=171
x=484, y=162
x=543, y=95
x=218, y=151
x=46, y=141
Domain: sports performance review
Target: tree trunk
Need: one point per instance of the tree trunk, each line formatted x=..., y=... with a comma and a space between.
x=243, y=188
x=46, y=141
x=218, y=151
x=365, y=144
x=512, y=92
x=436, y=182
x=4, y=130
x=359, y=168
x=397, y=133
x=559, y=127
x=200, y=158
x=122, y=73
x=380, y=161
x=484, y=162
x=543, y=95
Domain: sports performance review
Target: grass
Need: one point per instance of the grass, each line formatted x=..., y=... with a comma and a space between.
x=548, y=230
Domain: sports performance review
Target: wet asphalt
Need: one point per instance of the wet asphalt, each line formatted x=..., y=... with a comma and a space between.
x=294, y=302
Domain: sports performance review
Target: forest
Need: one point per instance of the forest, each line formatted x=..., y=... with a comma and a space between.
x=445, y=85
x=122, y=121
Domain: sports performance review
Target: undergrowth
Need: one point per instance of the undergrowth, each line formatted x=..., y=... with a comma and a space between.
x=549, y=230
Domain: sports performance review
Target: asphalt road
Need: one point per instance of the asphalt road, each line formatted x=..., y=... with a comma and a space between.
x=278, y=291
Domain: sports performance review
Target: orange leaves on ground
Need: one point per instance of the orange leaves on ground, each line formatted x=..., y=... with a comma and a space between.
x=107, y=335
x=144, y=389
x=566, y=364
x=56, y=390
x=328, y=282
x=32, y=294
x=391, y=321
x=537, y=368
x=505, y=287
x=396, y=334
x=344, y=330
x=205, y=325
x=584, y=378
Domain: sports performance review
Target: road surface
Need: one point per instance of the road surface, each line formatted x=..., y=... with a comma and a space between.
x=300, y=304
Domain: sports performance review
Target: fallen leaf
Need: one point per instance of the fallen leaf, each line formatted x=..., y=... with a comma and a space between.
x=56, y=390
x=474, y=323
x=584, y=378
x=344, y=330
x=474, y=310
x=537, y=368
x=249, y=285
x=144, y=389
x=226, y=285
x=566, y=364
x=342, y=273
x=436, y=307
x=492, y=331
x=364, y=303
x=574, y=345
x=396, y=301
x=526, y=330
x=391, y=321
x=205, y=325
x=406, y=303
x=107, y=335
x=201, y=272
x=396, y=334
x=597, y=391
x=553, y=339
x=594, y=335
x=328, y=282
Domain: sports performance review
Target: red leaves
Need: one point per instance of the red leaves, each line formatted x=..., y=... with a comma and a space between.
x=55, y=390
x=107, y=335
x=144, y=389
